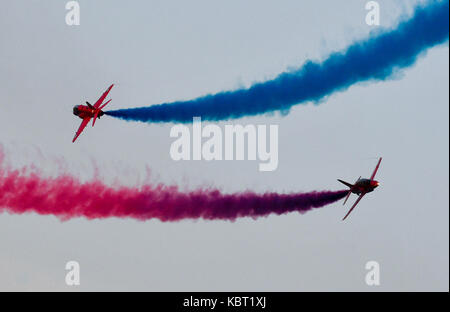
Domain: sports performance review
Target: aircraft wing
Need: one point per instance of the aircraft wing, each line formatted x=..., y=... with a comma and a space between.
x=354, y=205
x=104, y=95
x=376, y=169
x=81, y=128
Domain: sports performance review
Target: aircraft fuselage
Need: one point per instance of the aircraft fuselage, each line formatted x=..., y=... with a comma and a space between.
x=84, y=111
x=364, y=186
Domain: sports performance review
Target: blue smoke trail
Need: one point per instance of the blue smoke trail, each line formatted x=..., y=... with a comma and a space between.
x=375, y=58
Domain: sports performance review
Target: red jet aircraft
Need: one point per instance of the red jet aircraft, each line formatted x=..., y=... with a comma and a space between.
x=361, y=187
x=90, y=111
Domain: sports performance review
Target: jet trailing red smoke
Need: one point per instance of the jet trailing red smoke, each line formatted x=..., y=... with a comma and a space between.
x=67, y=197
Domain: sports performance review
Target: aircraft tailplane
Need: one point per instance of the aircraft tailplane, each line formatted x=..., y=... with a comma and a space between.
x=346, y=197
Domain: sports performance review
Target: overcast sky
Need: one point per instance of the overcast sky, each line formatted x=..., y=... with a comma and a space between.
x=160, y=51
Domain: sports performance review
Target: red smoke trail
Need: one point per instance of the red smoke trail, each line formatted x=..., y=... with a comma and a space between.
x=66, y=197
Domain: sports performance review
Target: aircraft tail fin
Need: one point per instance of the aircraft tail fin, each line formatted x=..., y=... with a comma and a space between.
x=349, y=191
x=346, y=183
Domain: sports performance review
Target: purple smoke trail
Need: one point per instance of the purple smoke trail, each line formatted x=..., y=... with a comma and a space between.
x=66, y=197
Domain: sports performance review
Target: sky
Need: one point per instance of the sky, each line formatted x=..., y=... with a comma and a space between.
x=163, y=51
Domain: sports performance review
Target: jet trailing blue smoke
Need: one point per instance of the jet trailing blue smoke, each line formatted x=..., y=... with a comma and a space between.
x=375, y=58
